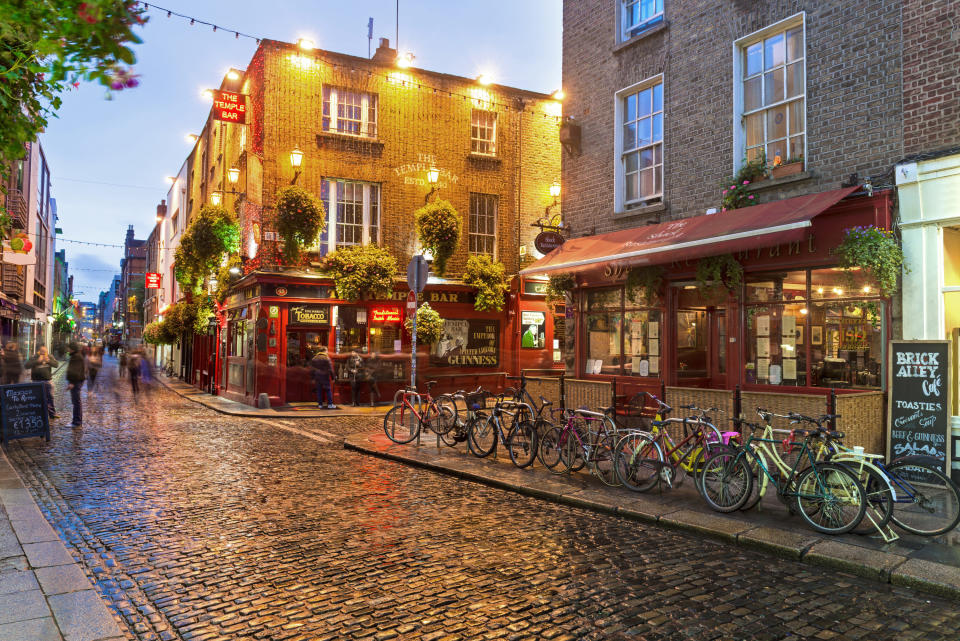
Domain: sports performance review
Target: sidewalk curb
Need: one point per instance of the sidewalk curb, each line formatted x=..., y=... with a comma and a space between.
x=202, y=398
x=70, y=604
x=810, y=548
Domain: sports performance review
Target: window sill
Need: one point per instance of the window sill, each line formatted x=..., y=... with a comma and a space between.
x=771, y=183
x=626, y=44
x=655, y=208
x=483, y=159
x=346, y=142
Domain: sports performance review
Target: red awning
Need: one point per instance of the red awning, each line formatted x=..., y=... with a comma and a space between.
x=783, y=221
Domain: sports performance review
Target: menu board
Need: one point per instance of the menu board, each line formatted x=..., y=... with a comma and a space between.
x=918, y=418
x=23, y=411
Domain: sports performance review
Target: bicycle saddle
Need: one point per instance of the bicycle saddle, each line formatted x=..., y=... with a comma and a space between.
x=545, y=402
x=608, y=409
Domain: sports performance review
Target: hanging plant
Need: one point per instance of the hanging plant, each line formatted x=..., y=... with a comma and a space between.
x=300, y=220
x=735, y=194
x=439, y=227
x=490, y=279
x=206, y=309
x=212, y=232
x=180, y=318
x=429, y=325
x=156, y=333
x=225, y=278
x=646, y=280
x=714, y=272
x=361, y=271
x=876, y=252
x=559, y=285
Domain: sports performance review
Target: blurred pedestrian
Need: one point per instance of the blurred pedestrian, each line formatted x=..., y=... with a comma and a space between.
x=123, y=363
x=133, y=368
x=41, y=368
x=94, y=363
x=371, y=372
x=12, y=365
x=76, y=375
x=354, y=369
x=322, y=370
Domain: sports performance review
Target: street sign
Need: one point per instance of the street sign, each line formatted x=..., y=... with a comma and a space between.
x=417, y=273
x=152, y=280
x=412, y=302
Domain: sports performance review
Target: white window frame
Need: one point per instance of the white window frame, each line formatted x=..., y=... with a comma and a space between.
x=491, y=141
x=627, y=31
x=496, y=221
x=619, y=185
x=369, y=103
x=739, y=123
x=331, y=206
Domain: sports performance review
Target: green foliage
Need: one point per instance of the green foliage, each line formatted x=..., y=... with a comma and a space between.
x=361, y=271
x=876, y=252
x=152, y=333
x=213, y=232
x=180, y=318
x=225, y=278
x=735, y=194
x=429, y=325
x=206, y=309
x=300, y=220
x=646, y=280
x=48, y=47
x=439, y=227
x=490, y=279
x=6, y=224
x=716, y=272
x=559, y=285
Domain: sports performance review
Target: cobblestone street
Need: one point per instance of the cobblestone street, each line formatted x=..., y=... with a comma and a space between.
x=199, y=526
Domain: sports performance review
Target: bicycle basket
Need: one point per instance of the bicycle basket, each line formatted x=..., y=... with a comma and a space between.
x=476, y=400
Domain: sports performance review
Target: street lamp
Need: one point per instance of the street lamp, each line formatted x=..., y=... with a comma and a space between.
x=233, y=174
x=433, y=177
x=555, y=191
x=296, y=159
x=216, y=197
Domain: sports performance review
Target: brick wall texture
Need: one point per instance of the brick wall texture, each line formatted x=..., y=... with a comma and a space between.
x=423, y=121
x=854, y=102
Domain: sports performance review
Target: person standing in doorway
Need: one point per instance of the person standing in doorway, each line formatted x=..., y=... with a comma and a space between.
x=76, y=375
x=371, y=371
x=354, y=375
x=133, y=368
x=322, y=371
x=41, y=368
x=12, y=365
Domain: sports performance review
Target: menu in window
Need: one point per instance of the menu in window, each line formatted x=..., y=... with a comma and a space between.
x=654, y=347
x=763, y=369
x=763, y=347
x=788, y=326
x=789, y=369
x=654, y=365
x=653, y=329
x=763, y=325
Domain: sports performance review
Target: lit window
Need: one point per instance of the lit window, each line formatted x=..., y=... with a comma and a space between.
x=638, y=15
x=353, y=213
x=483, y=224
x=772, y=94
x=352, y=113
x=483, y=132
x=640, y=144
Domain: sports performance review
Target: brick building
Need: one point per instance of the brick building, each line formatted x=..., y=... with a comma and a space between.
x=369, y=132
x=666, y=101
x=132, y=268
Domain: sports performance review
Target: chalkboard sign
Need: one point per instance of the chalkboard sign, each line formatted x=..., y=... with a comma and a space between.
x=23, y=411
x=918, y=412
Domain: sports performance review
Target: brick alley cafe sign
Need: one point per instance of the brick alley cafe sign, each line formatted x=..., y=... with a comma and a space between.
x=152, y=280
x=230, y=107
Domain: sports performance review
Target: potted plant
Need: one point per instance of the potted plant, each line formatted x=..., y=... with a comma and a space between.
x=490, y=279
x=791, y=166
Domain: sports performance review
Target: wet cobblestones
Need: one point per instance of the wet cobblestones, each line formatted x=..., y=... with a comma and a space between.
x=198, y=526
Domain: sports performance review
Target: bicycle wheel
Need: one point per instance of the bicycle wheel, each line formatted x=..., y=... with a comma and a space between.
x=576, y=462
x=830, y=498
x=522, y=443
x=637, y=462
x=450, y=416
x=879, y=501
x=927, y=502
x=482, y=437
x=548, y=450
x=757, y=486
x=437, y=419
x=602, y=461
x=401, y=424
x=726, y=481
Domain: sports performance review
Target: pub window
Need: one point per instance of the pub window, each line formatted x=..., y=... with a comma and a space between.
x=353, y=214
x=353, y=113
x=384, y=330
x=777, y=315
x=533, y=327
x=483, y=224
x=639, y=144
x=638, y=15
x=351, y=329
x=483, y=132
x=603, y=326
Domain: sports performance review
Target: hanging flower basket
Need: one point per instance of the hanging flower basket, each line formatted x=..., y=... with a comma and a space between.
x=439, y=227
x=490, y=279
x=300, y=220
x=361, y=271
x=429, y=325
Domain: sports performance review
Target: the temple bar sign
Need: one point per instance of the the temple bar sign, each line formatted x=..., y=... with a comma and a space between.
x=230, y=107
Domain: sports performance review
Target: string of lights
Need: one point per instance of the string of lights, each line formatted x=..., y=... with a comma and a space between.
x=390, y=77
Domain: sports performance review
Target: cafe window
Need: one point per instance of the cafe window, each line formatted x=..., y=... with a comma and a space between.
x=641, y=342
x=351, y=328
x=691, y=343
x=603, y=325
x=238, y=335
x=385, y=330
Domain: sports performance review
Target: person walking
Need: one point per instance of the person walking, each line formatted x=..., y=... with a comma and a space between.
x=133, y=368
x=94, y=363
x=371, y=372
x=122, y=361
x=354, y=369
x=41, y=368
x=76, y=375
x=322, y=370
x=12, y=365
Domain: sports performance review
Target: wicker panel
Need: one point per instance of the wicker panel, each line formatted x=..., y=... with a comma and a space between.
x=548, y=387
x=862, y=421
x=589, y=394
x=702, y=397
x=779, y=403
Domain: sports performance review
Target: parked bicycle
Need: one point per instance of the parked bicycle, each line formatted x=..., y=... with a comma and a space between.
x=518, y=435
x=588, y=439
x=413, y=412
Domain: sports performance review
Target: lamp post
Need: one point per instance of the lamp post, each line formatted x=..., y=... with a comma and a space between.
x=296, y=159
x=433, y=177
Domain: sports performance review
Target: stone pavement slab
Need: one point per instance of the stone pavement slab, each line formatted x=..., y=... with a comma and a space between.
x=17, y=581
x=854, y=559
x=33, y=630
x=779, y=541
x=82, y=617
x=929, y=576
x=33, y=530
x=22, y=606
x=48, y=553
x=59, y=579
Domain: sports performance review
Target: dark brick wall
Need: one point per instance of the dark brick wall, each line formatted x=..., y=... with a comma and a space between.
x=931, y=75
x=853, y=109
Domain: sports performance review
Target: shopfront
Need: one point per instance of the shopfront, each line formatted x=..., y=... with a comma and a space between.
x=274, y=325
x=796, y=324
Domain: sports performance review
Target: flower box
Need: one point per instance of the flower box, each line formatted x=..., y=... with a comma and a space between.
x=788, y=169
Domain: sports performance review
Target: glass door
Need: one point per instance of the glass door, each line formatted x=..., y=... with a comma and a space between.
x=718, y=350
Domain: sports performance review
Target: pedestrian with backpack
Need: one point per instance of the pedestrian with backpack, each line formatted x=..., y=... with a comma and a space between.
x=76, y=375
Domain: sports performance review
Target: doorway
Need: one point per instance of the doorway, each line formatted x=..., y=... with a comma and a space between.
x=302, y=346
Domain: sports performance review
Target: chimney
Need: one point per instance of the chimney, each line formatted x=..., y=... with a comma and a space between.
x=162, y=209
x=384, y=54
x=129, y=235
